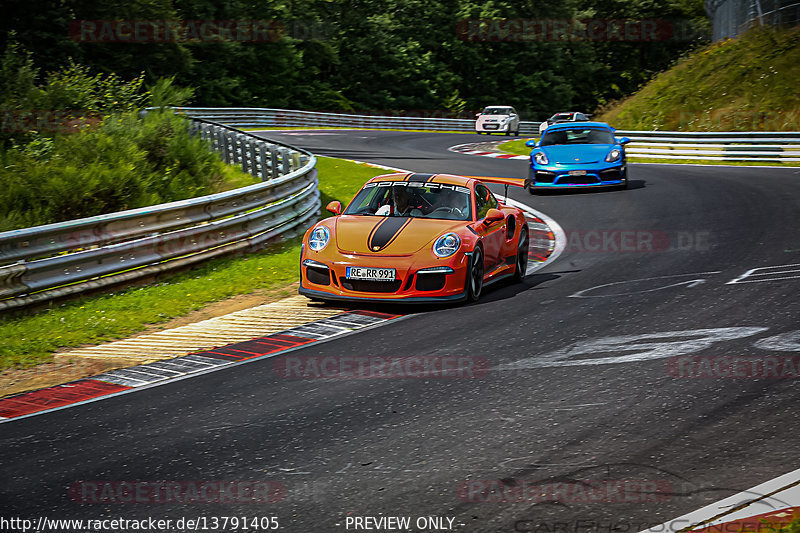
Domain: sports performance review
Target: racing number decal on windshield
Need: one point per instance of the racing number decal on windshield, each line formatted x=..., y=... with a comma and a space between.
x=643, y=347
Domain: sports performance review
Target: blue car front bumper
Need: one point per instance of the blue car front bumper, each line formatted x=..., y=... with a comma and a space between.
x=569, y=176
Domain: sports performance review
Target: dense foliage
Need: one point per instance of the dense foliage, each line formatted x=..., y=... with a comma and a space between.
x=101, y=155
x=362, y=55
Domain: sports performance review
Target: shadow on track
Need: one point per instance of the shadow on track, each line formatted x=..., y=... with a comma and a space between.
x=500, y=291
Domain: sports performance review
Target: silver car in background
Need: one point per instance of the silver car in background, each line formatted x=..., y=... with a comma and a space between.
x=558, y=118
x=497, y=119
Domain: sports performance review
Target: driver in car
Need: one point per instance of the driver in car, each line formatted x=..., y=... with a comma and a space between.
x=452, y=202
x=401, y=205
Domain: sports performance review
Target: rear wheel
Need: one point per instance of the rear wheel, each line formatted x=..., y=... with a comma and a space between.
x=475, y=275
x=522, y=255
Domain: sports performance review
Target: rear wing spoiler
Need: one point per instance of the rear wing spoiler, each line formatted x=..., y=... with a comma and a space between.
x=516, y=182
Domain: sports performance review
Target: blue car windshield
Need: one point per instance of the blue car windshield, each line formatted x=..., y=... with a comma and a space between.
x=577, y=136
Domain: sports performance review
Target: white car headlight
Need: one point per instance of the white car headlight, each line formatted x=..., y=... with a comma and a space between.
x=613, y=155
x=540, y=158
x=447, y=245
x=319, y=238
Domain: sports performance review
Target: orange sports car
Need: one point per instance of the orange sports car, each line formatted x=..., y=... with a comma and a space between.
x=415, y=238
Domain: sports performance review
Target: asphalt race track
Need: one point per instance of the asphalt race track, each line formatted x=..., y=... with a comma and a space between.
x=585, y=390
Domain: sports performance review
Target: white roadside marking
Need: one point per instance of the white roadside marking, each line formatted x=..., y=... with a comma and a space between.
x=780, y=493
x=558, y=233
x=767, y=271
x=689, y=283
x=685, y=342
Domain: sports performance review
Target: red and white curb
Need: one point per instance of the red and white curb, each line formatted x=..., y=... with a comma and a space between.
x=485, y=149
x=776, y=501
x=131, y=378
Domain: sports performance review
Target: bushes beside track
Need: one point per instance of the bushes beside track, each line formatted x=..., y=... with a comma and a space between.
x=90, y=151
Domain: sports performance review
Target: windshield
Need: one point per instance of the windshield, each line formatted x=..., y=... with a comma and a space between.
x=496, y=111
x=577, y=136
x=561, y=116
x=412, y=199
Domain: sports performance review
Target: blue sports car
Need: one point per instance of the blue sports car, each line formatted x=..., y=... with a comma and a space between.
x=577, y=154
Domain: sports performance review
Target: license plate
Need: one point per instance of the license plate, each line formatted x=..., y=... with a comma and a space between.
x=376, y=274
x=577, y=172
x=490, y=126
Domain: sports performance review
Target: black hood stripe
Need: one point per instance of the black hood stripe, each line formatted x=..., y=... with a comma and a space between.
x=385, y=232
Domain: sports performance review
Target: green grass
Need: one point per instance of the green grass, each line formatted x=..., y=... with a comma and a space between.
x=743, y=84
x=516, y=147
x=31, y=339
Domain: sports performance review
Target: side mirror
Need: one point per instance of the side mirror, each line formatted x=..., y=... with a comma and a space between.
x=531, y=143
x=492, y=216
x=624, y=141
x=335, y=207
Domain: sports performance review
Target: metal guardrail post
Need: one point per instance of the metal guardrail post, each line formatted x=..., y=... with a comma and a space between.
x=286, y=163
x=263, y=150
x=273, y=156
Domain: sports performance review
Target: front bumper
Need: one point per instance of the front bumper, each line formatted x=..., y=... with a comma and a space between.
x=323, y=276
x=559, y=177
x=495, y=127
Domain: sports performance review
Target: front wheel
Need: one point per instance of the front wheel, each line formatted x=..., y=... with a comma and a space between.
x=522, y=256
x=475, y=275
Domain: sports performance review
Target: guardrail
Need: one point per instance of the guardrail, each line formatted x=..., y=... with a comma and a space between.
x=44, y=262
x=729, y=18
x=279, y=118
x=755, y=146
x=774, y=147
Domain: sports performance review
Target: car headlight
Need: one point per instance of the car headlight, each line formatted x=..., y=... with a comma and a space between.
x=446, y=245
x=613, y=155
x=319, y=238
x=540, y=158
